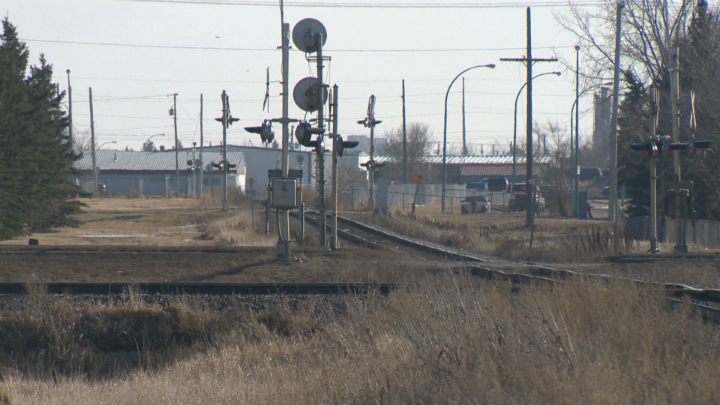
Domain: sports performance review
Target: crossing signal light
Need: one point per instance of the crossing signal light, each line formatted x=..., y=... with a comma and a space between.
x=341, y=145
x=304, y=133
x=372, y=165
x=696, y=146
x=265, y=131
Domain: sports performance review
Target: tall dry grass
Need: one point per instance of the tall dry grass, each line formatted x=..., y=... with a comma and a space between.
x=447, y=341
x=510, y=239
x=236, y=228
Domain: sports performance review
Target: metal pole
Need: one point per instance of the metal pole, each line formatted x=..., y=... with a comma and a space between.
x=572, y=150
x=202, y=167
x=92, y=145
x=70, y=122
x=224, y=150
x=321, y=146
x=531, y=199
x=654, y=247
x=680, y=245
x=177, y=164
x=285, y=239
x=371, y=175
x=335, y=243
x=577, y=132
x=405, y=173
x=465, y=149
x=612, y=205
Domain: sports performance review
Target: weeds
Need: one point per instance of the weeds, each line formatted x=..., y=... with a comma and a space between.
x=449, y=340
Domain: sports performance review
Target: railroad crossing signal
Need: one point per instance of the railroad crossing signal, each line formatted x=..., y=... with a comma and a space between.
x=340, y=145
x=265, y=130
x=304, y=133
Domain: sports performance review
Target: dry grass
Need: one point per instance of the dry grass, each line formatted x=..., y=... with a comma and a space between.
x=505, y=236
x=448, y=341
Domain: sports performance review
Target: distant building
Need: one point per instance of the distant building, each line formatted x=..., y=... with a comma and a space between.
x=473, y=169
x=259, y=159
x=151, y=173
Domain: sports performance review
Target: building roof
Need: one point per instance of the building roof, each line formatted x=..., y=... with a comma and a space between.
x=472, y=160
x=149, y=161
x=494, y=170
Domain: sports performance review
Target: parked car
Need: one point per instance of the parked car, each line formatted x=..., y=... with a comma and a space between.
x=499, y=184
x=475, y=204
x=479, y=186
x=519, y=197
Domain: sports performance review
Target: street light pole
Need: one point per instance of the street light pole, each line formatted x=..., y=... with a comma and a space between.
x=515, y=123
x=577, y=131
x=70, y=127
x=444, y=161
x=147, y=141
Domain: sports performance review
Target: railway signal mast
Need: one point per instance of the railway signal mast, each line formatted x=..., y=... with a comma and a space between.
x=371, y=165
x=663, y=146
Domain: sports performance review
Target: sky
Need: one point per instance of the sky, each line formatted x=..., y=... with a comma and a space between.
x=135, y=54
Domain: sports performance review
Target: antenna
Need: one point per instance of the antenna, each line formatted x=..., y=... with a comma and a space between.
x=304, y=32
x=371, y=107
x=693, y=122
x=305, y=94
x=267, y=89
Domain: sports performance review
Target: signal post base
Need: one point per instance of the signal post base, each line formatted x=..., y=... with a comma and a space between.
x=283, y=249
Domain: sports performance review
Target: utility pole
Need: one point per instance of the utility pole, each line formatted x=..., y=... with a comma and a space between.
x=177, y=164
x=529, y=61
x=92, y=145
x=465, y=149
x=576, y=196
x=405, y=173
x=612, y=205
x=70, y=127
x=202, y=167
x=334, y=105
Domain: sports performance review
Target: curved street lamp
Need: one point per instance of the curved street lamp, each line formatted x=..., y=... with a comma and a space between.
x=95, y=168
x=105, y=143
x=151, y=137
x=444, y=161
x=515, y=124
x=576, y=119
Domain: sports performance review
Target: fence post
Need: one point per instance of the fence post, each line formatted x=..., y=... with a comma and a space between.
x=167, y=186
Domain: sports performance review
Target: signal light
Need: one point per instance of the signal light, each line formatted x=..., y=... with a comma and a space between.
x=340, y=145
x=696, y=146
x=265, y=130
x=304, y=133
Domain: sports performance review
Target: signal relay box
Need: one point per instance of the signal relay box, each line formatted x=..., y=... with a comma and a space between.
x=284, y=193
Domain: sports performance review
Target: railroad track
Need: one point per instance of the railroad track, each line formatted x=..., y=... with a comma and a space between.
x=534, y=273
x=189, y=288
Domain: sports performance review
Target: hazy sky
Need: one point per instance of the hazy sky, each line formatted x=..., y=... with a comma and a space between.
x=135, y=54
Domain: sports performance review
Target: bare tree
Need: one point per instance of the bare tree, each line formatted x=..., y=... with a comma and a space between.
x=644, y=39
x=557, y=174
x=419, y=144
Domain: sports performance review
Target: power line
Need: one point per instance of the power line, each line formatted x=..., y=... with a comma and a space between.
x=393, y=5
x=211, y=48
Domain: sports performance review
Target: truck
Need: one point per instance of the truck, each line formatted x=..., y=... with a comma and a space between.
x=519, y=197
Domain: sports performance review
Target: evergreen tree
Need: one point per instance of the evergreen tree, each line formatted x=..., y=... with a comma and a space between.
x=35, y=151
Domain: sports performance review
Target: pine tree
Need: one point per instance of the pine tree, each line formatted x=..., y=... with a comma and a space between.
x=36, y=154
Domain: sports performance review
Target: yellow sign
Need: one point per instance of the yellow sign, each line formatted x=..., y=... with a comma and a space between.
x=419, y=180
